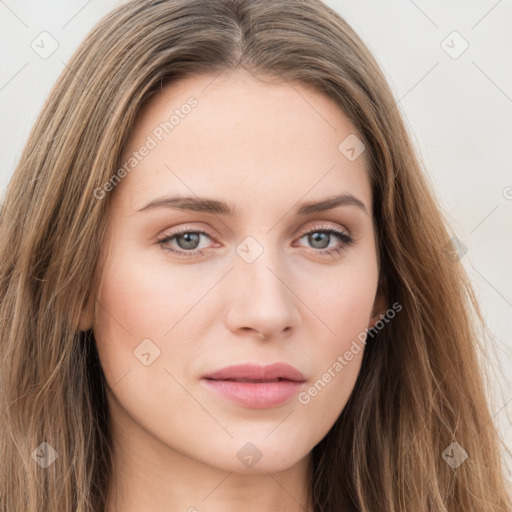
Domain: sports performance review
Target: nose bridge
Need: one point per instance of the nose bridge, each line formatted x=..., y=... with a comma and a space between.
x=260, y=270
x=262, y=299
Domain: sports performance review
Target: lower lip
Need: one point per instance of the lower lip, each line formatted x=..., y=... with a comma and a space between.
x=258, y=395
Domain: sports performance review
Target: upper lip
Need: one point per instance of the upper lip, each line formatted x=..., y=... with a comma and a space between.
x=257, y=372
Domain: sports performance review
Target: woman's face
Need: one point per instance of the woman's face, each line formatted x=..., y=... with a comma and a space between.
x=189, y=288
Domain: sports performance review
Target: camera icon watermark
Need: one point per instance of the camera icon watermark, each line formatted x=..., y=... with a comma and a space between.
x=454, y=45
x=146, y=352
x=455, y=249
x=352, y=147
x=454, y=455
x=44, y=45
x=45, y=455
x=249, y=455
x=249, y=249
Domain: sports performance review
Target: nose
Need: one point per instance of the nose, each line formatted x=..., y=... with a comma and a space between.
x=262, y=301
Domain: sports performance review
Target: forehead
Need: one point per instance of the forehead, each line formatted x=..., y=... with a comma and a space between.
x=234, y=136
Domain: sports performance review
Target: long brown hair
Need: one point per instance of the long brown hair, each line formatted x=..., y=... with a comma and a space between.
x=421, y=385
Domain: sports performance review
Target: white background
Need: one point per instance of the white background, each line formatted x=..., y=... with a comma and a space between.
x=458, y=111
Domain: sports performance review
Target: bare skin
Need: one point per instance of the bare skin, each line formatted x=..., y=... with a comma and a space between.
x=265, y=148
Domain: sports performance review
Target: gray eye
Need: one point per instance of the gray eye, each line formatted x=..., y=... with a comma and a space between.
x=319, y=240
x=188, y=240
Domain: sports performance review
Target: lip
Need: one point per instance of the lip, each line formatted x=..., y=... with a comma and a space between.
x=256, y=386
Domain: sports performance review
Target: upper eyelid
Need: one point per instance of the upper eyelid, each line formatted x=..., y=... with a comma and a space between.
x=319, y=226
x=316, y=225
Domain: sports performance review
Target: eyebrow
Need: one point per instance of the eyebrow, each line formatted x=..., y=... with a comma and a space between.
x=214, y=206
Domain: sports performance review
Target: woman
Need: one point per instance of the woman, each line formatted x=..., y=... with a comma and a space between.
x=226, y=282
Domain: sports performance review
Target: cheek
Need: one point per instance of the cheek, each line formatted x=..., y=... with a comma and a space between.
x=346, y=305
x=143, y=299
x=342, y=302
x=146, y=298
x=343, y=310
x=130, y=310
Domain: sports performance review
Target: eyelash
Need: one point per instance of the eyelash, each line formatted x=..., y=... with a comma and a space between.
x=347, y=240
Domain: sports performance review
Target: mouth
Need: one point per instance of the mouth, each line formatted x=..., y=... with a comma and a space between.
x=255, y=386
x=256, y=381
x=257, y=373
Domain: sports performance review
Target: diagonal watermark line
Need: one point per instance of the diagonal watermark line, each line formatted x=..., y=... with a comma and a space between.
x=211, y=288
x=121, y=378
x=14, y=76
x=492, y=420
x=495, y=289
x=334, y=129
x=494, y=209
x=279, y=424
x=325, y=325
x=9, y=216
x=212, y=80
x=84, y=84
x=438, y=389
x=113, y=317
x=494, y=416
x=217, y=486
x=14, y=14
x=199, y=403
x=284, y=489
x=424, y=14
x=485, y=15
x=417, y=83
x=76, y=14
x=492, y=81
x=217, y=216
x=291, y=207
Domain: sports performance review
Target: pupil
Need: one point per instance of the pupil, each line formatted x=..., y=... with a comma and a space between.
x=191, y=240
x=317, y=237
